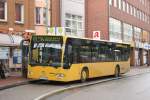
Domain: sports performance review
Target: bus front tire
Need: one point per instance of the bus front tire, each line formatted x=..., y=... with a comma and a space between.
x=84, y=75
x=117, y=72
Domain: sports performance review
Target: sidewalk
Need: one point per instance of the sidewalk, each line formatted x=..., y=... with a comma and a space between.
x=15, y=79
x=138, y=70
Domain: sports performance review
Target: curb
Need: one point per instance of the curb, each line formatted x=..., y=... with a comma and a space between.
x=16, y=84
x=44, y=96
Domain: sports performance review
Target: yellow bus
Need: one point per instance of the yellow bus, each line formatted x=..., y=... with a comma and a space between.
x=62, y=58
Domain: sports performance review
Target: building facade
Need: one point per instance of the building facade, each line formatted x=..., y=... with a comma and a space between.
x=69, y=15
x=132, y=18
x=42, y=16
x=16, y=18
x=124, y=21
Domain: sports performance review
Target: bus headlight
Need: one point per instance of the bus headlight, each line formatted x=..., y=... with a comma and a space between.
x=60, y=75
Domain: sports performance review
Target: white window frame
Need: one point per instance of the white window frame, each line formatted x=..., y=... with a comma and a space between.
x=5, y=14
x=22, y=15
x=71, y=27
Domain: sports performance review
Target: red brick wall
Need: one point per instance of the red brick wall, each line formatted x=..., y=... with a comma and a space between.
x=28, y=16
x=55, y=13
x=96, y=17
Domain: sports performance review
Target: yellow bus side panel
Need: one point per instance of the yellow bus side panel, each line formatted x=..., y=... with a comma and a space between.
x=74, y=73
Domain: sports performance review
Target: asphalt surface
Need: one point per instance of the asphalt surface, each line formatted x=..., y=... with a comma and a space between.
x=34, y=90
x=38, y=88
x=132, y=88
x=27, y=92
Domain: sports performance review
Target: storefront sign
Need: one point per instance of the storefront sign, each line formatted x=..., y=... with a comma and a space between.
x=56, y=31
x=96, y=35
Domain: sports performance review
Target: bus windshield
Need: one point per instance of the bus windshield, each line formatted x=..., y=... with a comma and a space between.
x=46, y=51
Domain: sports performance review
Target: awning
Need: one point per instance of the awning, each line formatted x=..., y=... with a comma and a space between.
x=10, y=40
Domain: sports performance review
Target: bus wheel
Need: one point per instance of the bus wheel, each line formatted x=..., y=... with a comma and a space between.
x=117, y=72
x=84, y=75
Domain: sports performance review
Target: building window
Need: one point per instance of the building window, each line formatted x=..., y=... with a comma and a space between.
x=127, y=8
x=131, y=10
x=137, y=14
x=143, y=16
x=120, y=4
x=115, y=30
x=124, y=6
x=73, y=24
x=134, y=12
x=140, y=15
x=38, y=15
x=110, y=2
x=137, y=34
x=115, y=3
x=127, y=32
x=44, y=16
x=19, y=13
x=3, y=10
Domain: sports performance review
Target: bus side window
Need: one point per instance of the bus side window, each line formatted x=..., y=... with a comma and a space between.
x=117, y=54
x=70, y=54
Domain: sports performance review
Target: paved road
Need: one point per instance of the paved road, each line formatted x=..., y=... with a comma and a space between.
x=32, y=91
x=27, y=92
x=132, y=88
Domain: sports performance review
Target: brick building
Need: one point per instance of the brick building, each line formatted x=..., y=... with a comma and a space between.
x=42, y=16
x=121, y=21
x=16, y=18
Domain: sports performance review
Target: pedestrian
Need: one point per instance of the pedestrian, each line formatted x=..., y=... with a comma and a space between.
x=2, y=73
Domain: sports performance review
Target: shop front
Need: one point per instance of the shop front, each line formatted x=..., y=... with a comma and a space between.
x=145, y=39
x=146, y=54
x=10, y=54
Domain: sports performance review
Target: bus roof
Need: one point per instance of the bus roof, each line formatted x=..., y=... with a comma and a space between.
x=85, y=39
